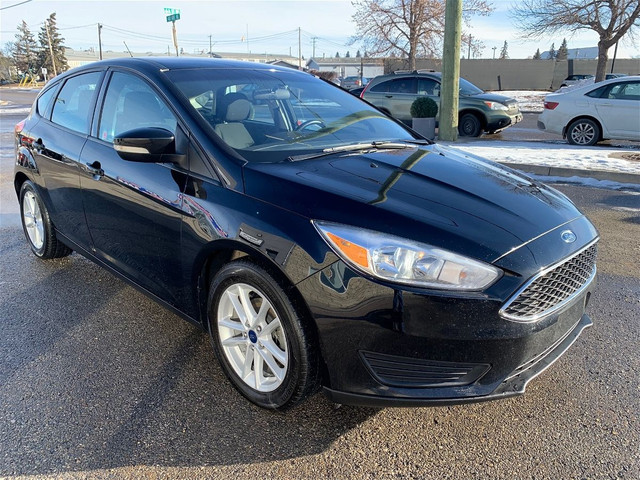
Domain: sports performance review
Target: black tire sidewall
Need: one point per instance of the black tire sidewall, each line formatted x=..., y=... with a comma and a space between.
x=469, y=117
x=28, y=186
x=596, y=131
x=245, y=272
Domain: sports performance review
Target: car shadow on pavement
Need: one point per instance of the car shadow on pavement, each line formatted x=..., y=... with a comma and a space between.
x=96, y=376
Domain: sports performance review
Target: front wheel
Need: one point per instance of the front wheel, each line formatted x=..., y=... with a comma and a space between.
x=469, y=126
x=265, y=346
x=37, y=225
x=583, y=132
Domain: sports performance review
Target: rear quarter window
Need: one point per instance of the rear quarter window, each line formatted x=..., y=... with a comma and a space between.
x=44, y=100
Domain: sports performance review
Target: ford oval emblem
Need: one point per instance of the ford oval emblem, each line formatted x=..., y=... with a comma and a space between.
x=568, y=236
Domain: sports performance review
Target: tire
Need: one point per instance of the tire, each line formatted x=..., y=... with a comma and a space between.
x=267, y=350
x=469, y=126
x=583, y=132
x=37, y=226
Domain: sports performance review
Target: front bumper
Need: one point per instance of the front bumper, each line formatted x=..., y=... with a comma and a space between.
x=513, y=385
x=386, y=345
x=496, y=123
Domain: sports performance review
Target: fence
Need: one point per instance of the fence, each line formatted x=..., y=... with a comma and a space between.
x=519, y=74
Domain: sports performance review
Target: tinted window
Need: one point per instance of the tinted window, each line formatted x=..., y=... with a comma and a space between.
x=597, y=93
x=131, y=103
x=44, y=100
x=72, y=108
x=625, y=91
x=403, y=85
x=428, y=86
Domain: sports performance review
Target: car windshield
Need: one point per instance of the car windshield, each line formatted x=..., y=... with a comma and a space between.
x=468, y=88
x=271, y=115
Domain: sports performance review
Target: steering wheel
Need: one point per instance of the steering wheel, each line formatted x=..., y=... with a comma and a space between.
x=313, y=121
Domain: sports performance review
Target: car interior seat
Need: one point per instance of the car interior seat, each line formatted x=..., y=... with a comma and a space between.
x=234, y=109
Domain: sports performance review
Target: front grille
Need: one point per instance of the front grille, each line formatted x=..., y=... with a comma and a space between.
x=552, y=288
x=399, y=371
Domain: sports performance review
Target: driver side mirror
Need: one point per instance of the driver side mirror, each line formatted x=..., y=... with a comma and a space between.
x=149, y=144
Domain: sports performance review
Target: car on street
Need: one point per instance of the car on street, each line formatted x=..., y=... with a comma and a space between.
x=574, y=79
x=477, y=111
x=317, y=241
x=351, y=82
x=591, y=113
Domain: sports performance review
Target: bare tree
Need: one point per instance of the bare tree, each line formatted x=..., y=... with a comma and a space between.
x=610, y=19
x=409, y=28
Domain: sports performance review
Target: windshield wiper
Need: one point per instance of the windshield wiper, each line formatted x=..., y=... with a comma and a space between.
x=352, y=148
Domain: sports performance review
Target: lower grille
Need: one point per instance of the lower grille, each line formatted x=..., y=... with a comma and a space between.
x=398, y=371
x=552, y=288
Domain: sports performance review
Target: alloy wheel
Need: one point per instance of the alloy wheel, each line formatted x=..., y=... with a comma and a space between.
x=252, y=337
x=583, y=133
x=32, y=218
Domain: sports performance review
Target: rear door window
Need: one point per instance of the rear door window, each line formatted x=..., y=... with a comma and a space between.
x=73, y=107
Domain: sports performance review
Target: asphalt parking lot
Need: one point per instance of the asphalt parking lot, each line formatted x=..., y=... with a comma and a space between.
x=98, y=381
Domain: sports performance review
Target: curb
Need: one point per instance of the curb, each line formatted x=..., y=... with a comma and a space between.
x=619, y=177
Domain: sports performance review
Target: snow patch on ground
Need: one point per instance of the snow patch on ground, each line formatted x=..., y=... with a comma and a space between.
x=554, y=155
x=530, y=101
x=590, y=182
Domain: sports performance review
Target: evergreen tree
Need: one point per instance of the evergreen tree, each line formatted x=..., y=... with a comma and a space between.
x=337, y=54
x=347, y=55
x=25, y=49
x=552, y=52
x=44, y=56
x=358, y=54
x=563, y=51
x=537, y=55
x=503, y=53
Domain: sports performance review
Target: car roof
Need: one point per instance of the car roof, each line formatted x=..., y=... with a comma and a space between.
x=154, y=64
x=582, y=89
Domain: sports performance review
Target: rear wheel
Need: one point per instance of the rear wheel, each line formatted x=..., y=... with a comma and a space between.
x=469, y=125
x=583, y=132
x=37, y=225
x=263, y=343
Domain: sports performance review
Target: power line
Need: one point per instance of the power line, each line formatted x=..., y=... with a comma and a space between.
x=15, y=5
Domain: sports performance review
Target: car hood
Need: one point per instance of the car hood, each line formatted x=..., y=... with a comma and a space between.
x=431, y=194
x=492, y=97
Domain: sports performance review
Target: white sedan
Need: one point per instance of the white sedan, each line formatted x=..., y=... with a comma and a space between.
x=595, y=112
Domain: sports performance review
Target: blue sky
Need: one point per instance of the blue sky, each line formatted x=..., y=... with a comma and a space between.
x=271, y=25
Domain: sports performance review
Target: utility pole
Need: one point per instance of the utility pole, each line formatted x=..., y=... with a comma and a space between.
x=448, y=126
x=53, y=60
x=313, y=42
x=494, y=52
x=469, y=54
x=210, y=47
x=248, y=38
x=127, y=46
x=100, y=39
x=175, y=36
x=299, y=49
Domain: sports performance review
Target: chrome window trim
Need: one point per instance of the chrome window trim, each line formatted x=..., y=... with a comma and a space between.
x=555, y=308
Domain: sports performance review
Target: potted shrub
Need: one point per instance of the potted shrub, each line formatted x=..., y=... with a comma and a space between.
x=423, y=113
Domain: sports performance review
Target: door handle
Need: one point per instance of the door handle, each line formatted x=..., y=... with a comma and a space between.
x=389, y=96
x=95, y=169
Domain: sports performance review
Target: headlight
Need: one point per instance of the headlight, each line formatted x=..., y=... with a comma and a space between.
x=496, y=106
x=404, y=261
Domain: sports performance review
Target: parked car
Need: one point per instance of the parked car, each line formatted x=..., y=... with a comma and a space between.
x=478, y=111
x=315, y=239
x=356, y=91
x=354, y=82
x=573, y=79
x=588, y=114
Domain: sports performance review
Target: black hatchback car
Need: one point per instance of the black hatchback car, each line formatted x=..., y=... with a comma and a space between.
x=317, y=241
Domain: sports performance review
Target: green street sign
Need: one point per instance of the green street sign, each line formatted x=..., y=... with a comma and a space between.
x=173, y=18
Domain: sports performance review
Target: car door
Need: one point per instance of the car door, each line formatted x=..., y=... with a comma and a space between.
x=395, y=96
x=59, y=138
x=133, y=209
x=619, y=110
